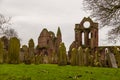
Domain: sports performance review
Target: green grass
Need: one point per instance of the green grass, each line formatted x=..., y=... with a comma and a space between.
x=55, y=72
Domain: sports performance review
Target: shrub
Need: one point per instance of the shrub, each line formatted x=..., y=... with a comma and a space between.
x=87, y=56
x=31, y=50
x=13, y=51
x=62, y=58
x=74, y=57
x=81, y=56
x=1, y=51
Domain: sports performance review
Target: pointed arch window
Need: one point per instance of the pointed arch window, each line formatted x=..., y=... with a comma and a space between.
x=83, y=38
x=90, y=35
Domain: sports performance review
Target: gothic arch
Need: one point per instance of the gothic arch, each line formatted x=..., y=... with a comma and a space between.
x=83, y=38
x=86, y=36
x=89, y=35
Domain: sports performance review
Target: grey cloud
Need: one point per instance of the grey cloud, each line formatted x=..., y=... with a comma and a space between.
x=29, y=17
x=47, y=7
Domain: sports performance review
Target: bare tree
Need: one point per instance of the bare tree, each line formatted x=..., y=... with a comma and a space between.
x=10, y=33
x=5, y=29
x=107, y=12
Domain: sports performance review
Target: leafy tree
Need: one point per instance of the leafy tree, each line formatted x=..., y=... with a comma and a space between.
x=81, y=56
x=58, y=32
x=96, y=60
x=87, y=56
x=31, y=49
x=31, y=43
x=5, y=41
x=1, y=51
x=116, y=52
x=26, y=55
x=59, y=39
x=13, y=51
x=107, y=12
x=62, y=57
x=74, y=57
x=38, y=59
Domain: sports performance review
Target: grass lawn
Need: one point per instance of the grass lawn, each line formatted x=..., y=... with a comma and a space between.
x=55, y=72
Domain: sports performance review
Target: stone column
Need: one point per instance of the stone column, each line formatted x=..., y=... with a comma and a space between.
x=86, y=39
x=80, y=35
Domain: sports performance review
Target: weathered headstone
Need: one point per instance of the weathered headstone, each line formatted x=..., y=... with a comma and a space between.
x=112, y=60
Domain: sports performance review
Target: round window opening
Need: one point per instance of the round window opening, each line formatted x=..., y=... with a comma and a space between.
x=86, y=24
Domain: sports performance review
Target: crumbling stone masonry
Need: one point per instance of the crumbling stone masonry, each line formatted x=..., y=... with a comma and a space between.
x=90, y=34
x=86, y=36
x=48, y=45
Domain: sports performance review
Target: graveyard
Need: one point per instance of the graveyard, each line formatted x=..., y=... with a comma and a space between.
x=49, y=60
x=59, y=39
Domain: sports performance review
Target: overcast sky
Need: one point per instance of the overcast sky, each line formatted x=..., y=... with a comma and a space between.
x=29, y=17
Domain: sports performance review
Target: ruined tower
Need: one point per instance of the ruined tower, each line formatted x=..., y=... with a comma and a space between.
x=48, y=42
x=86, y=34
x=45, y=42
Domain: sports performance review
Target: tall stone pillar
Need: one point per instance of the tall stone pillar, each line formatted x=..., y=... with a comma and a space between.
x=86, y=38
x=80, y=36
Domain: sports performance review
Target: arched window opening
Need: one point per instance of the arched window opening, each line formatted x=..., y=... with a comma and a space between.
x=90, y=36
x=83, y=39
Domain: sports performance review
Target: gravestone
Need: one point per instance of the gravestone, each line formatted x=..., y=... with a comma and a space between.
x=117, y=55
x=112, y=60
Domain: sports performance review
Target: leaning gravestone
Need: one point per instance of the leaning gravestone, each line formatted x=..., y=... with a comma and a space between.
x=112, y=60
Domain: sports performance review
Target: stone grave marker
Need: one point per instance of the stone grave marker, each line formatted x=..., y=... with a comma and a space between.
x=112, y=60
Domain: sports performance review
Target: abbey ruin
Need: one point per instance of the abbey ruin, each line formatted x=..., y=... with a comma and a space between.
x=83, y=51
x=87, y=37
x=48, y=43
